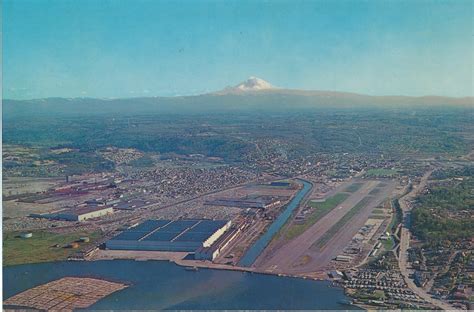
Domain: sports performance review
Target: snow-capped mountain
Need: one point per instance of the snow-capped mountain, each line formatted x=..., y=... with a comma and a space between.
x=252, y=84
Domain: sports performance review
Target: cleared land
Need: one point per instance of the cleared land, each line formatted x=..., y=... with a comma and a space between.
x=41, y=247
x=320, y=210
x=375, y=191
x=353, y=187
x=19, y=185
x=340, y=224
x=15, y=209
x=381, y=172
x=300, y=256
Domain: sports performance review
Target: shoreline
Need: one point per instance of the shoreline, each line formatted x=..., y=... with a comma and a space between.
x=178, y=258
x=161, y=256
x=152, y=279
x=199, y=264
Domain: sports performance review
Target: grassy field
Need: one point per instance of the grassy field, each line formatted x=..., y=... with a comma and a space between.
x=375, y=191
x=389, y=243
x=340, y=224
x=396, y=218
x=40, y=248
x=319, y=210
x=353, y=187
x=381, y=172
x=377, y=217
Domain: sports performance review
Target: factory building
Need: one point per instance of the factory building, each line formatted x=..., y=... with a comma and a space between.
x=211, y=252
x=259, y=202
x=343, y=258
x=95, y=202
x=84, y=213
x=280, y=184
x=76, y=214
x=130, y=204
x=166, y=235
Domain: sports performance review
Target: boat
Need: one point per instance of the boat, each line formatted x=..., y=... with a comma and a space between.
x=193, y=268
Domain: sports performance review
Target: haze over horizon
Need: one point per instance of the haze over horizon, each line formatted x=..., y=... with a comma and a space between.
x=142, y=48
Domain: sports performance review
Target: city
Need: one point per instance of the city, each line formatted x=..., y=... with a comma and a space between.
x=237, y=155
x=348, y=227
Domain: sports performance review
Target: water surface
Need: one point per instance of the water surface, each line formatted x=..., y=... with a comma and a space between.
x=256, y=249
x=164, y=285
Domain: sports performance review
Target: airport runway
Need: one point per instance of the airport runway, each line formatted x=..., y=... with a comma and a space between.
x=286, y=258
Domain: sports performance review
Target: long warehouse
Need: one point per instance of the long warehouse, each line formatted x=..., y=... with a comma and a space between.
x=167, y=235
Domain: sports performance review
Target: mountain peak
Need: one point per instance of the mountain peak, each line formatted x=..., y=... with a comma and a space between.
x=252, y=84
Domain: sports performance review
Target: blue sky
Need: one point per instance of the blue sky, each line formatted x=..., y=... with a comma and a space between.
x=125, y=48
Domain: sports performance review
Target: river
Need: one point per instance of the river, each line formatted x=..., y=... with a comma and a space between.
x=253, y=252
x=159, y=285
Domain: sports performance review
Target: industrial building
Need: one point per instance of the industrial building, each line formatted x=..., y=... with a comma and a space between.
x=84, y=213
x=343, y=258
x=210, y=253
x=259, y=202
x=130, y=204
x=166, y=235
x=280, y=184
x=77, y=214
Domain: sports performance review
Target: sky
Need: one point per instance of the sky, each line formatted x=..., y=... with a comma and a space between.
x=131, y=48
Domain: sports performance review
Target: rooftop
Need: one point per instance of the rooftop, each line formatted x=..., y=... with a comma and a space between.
x=190, y=230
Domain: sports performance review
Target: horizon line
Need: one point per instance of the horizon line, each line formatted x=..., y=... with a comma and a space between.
x=248, y=92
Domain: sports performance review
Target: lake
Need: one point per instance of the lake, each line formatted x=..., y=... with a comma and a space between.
x=164, y=285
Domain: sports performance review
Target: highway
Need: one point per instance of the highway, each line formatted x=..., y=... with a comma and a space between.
x=405, y=245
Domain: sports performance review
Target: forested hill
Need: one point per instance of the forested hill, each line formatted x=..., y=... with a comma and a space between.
x=280, y=100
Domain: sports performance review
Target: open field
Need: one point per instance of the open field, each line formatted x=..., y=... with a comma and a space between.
x=21, y=185
x=353, y=187
x=15, y=209
x=375, y=191
x=389, y=243
x=341, y=223
x=299, y=256
x=41, y=247
x=320, y=210
x=381, y=172
x=378, y=211
x=267, y=190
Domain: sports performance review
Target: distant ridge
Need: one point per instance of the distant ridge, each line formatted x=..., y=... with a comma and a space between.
x=257, y=86
x=253, y=94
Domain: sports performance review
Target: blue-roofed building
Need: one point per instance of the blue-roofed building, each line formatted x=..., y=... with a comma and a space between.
x=280, y=183
x=166, y=235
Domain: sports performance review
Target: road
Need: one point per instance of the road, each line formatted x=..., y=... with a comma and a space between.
x=405, y=245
